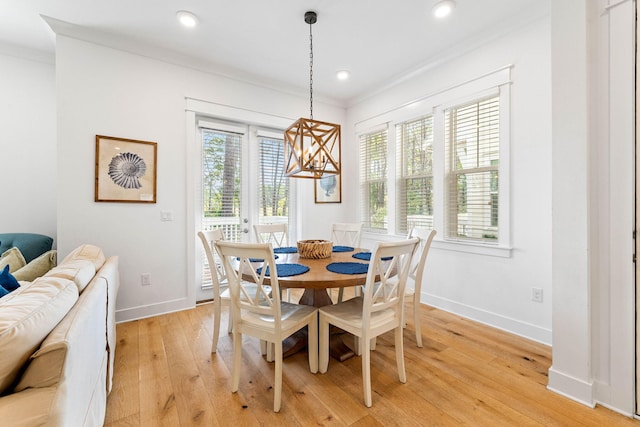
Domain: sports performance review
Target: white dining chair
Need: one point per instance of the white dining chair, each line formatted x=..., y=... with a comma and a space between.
x=276, y=234
x=414, y=280
x=378, y=310
x=346, y=234
x=218, y=279
x=260, y=313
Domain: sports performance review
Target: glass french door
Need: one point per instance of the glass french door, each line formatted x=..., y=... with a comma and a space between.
x=242, y=184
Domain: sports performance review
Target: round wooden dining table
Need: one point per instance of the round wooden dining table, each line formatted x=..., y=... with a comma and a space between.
x=318, y=279
x=316, y=282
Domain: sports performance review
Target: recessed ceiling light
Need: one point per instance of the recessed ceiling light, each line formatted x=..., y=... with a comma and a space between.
x=443, y=8
x=343, y=74
x=187, y=19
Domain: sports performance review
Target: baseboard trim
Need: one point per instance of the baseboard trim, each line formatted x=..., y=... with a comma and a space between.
x=517, y=327
x=571, y=388
x=150, y=310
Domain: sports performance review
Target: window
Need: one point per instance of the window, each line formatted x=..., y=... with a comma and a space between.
x=444, y=166
x=472, y=143
x=373, y=180
x=221, y=172
x=415, y=178
x=273, y=185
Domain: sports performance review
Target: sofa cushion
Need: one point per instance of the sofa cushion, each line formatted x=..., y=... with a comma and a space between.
x=3, y=292
x=87, y=252
x=13, y=258
x=38, y=267
x=27, y=315
x=7, y=280
x=30, y=244
x=79, y=271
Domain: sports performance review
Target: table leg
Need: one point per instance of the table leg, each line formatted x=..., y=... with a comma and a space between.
x=296, y=342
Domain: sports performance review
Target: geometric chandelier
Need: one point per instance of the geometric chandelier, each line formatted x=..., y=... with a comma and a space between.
x=311, y=147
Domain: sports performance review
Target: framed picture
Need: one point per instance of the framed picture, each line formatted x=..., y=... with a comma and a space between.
x=328, y=189
x=125, y=170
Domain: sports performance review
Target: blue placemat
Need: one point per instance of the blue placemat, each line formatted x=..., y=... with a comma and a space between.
x=348, y=267
x=342, y=249
x=285, y=270
x=257, y=259
x=367, y=256
x=285, y=250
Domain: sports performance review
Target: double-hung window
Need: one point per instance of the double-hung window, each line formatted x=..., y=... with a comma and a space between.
x=415, y=174
x=373, y=180
x=472, y=142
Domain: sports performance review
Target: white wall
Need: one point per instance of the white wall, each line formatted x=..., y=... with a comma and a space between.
x=110, y=92
x=593, y=168
x=28, y=145
x=492, y=289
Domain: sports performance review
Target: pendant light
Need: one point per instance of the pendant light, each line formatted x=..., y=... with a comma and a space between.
x=311, y=147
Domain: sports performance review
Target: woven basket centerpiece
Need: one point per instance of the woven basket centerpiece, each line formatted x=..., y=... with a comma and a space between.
x=315, y=249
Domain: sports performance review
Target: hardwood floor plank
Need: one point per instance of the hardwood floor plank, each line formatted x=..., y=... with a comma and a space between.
x=157, y=396
x=123, y=402
x=192, y=402
x=466, y=374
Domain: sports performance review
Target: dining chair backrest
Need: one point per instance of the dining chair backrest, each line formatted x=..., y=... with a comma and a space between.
x=417, y=265
x=276, y=234
x=347, y=234
x=218, y=274
x=386, y=277
x=261, y=298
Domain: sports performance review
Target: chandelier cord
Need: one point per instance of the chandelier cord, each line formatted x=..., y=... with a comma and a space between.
x=311, y=71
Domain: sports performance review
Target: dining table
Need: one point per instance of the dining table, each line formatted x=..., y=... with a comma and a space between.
x=317, y=282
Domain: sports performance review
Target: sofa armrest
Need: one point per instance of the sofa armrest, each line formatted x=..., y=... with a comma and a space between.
x=72, y=361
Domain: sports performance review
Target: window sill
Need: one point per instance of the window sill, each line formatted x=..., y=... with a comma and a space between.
x=473, y=248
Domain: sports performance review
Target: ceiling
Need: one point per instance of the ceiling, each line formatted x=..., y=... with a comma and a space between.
x=267, y=41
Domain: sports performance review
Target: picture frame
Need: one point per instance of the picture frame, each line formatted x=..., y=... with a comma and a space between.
x=125, y=170
x=328, y=189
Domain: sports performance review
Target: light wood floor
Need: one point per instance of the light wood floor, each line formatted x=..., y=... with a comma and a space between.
x=466, y=374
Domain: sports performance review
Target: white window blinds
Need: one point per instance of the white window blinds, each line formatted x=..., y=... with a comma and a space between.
x=373, y=180
x=415, y=174
x=472, y=139
x=274, y=194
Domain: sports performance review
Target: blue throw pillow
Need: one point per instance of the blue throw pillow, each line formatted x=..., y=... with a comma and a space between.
x=3, y=292
x=7, y=281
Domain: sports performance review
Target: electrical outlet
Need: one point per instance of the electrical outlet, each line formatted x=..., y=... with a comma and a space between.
x=145, y=278
x=536, y=294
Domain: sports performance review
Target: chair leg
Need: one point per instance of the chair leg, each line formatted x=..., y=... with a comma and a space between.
x=416, y=319
x=270, y=350
x=237, y=359
x=217, y=308
x=313, y=344
x=230, y=323
x=324, y=345
x=340, y=294
x=402, y=375
x=366, y=372
x=277, y=389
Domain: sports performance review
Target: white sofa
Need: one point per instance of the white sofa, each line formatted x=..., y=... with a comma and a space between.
x=57, y=343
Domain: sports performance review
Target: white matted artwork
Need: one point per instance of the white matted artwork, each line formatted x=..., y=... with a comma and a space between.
x=328, y=189
x=125, y=170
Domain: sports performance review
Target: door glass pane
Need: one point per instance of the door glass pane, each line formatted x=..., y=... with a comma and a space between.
x=273, y=185
x=221, y=177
